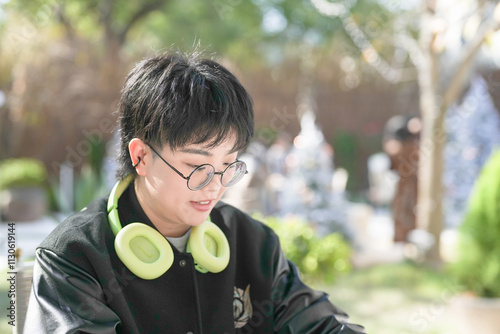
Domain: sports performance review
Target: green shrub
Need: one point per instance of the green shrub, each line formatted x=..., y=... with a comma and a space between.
x=478, y=260
x=318, y=258
x=22, y=172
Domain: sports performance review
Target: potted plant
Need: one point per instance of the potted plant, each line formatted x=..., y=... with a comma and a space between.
x=23, y=189
x=478, y=255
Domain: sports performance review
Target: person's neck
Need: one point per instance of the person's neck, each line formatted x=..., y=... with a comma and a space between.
x=165, y=228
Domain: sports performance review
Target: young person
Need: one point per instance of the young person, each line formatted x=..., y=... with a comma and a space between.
x=162, y=254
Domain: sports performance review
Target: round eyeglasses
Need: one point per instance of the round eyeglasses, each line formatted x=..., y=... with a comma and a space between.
x=203, y=174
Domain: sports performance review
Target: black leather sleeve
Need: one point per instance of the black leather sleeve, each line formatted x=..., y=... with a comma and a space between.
x=300, y=309
x=66, y=299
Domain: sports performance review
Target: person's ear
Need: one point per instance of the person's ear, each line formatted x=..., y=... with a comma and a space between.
x=138, y=153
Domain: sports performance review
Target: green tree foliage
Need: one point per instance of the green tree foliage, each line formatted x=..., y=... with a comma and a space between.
x=229, y=27
x=478, y=264
x=219, y=26
x=245, y=30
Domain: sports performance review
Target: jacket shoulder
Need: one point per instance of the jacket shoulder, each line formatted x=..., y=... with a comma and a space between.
x=82, y=232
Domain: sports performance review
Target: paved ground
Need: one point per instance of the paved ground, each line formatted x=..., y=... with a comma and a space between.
x=409, y=305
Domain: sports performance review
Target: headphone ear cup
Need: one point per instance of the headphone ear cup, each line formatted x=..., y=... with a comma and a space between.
x=144, y=251
x=209, y=247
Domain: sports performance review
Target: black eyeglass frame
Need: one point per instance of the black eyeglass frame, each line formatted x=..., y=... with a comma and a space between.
x=194, y=170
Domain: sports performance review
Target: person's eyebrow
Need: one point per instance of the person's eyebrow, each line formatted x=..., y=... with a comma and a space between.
x=196, y=151
x=199, y=151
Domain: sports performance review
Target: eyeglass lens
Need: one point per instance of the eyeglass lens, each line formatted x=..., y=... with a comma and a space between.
x=202, y=175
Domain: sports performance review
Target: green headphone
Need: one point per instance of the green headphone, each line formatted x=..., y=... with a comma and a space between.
x=147, y=253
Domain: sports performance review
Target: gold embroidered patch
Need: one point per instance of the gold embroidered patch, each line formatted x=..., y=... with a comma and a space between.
x=242, y=307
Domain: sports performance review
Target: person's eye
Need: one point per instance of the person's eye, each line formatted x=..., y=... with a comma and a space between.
x=193, y=166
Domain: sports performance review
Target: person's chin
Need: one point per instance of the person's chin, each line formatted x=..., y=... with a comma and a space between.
x=199, y=218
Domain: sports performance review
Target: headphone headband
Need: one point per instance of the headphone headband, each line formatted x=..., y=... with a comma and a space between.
x=116, y=192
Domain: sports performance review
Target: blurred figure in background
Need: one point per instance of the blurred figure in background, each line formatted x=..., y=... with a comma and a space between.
x=401, y=143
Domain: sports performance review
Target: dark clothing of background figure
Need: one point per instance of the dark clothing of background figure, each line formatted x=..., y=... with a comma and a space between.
x=401, y=143
x=405, y=198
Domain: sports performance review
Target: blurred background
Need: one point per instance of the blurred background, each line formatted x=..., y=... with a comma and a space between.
x=376, y=149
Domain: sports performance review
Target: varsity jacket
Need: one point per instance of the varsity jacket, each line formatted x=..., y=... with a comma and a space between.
x=81, y=286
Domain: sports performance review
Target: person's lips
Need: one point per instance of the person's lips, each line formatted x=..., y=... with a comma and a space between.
x=203, y=205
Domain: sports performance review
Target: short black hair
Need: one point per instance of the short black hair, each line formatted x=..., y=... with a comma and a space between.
x=397, y=128
x=180, y=99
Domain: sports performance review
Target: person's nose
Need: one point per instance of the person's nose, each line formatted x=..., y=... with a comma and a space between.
x=215, y=184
